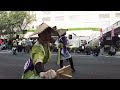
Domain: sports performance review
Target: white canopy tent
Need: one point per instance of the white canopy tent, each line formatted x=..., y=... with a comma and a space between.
x=27, y=35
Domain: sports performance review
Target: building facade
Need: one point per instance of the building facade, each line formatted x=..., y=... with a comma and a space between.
x=82, y=23
x=74, y=19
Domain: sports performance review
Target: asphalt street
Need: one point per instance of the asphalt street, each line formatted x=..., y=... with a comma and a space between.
x=87, y=66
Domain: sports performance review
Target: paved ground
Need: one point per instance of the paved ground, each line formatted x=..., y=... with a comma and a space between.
x=87, y=67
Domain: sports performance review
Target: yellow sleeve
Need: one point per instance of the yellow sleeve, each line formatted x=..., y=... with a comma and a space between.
x=37, y=54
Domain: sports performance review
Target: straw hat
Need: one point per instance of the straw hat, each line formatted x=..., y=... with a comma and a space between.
x=43, y=27
x=61, y=31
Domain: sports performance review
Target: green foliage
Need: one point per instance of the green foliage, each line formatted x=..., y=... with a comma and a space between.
x=15, y=21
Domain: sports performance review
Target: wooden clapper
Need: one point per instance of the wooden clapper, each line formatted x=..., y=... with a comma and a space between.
x=64, y=73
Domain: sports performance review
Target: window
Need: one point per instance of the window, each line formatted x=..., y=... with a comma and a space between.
x=104, y=16
x=46, y=19
x=46, y=12
x=70, y=36
x=104, y=24
x=75, y=17
x=83, y=41
x=108, y=38
x=117, y=15
x=59, y=18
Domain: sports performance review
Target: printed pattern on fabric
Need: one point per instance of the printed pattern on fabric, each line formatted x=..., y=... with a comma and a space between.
x=28, y=65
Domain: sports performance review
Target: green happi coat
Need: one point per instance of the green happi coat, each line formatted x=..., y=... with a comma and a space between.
x=38, y=53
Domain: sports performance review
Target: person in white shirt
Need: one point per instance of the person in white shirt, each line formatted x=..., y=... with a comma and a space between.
x=20, y=45
x=23, y=44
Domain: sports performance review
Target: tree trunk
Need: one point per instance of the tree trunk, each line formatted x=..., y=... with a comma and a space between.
x=11, y=34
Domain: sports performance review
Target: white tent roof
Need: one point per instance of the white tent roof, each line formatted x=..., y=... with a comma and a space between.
x=27, y=35
x=34, y=36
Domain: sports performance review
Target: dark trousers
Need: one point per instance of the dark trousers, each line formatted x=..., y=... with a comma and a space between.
x=71, y=63
x=24, y=48
x=19, y=48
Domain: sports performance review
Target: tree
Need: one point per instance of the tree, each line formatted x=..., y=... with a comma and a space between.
x=20, y=20
x=3, y=20
x=27, y=19
x=15, y=21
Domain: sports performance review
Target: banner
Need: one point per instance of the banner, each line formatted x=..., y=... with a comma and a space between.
x=101, y=33
x=112, y=33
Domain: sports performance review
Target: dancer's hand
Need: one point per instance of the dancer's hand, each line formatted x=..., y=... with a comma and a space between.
x=50, y=74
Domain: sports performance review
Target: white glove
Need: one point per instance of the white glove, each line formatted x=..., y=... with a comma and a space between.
x=50, y=74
